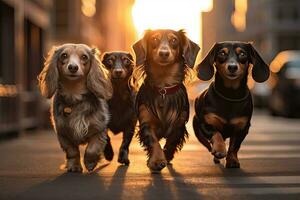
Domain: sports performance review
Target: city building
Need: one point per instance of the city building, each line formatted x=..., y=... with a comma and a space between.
x=273, y=25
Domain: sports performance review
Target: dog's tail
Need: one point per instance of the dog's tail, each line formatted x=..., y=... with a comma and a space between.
x=108, y=151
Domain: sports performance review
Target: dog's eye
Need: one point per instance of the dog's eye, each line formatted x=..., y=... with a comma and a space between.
x=64, y=56
x=110, y=62
x=154, y=42
x=173, y=40
x=84, y=57
x=126, y=61
x=242, y=57
x=222, y=53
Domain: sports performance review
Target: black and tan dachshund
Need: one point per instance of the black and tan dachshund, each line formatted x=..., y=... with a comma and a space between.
x=163, y=59
x=121, y=105
x=224, y=110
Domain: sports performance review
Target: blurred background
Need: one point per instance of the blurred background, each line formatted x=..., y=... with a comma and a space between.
x=29, y=28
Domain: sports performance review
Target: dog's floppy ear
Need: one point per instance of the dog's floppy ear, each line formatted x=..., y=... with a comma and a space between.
x=260, y=70
x=190, y=50
x=205, y=70
x=48, y=78
x=98, y=81
x=140, y=49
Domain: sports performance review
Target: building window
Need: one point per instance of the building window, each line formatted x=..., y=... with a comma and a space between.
x=289, y=42
x=287, y=10
x=7, y=47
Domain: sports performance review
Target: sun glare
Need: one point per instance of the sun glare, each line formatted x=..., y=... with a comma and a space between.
x=170, y=14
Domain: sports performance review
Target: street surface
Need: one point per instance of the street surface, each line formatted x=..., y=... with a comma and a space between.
x=270, y=169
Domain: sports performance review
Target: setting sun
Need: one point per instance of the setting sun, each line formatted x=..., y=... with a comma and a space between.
x=172, y=14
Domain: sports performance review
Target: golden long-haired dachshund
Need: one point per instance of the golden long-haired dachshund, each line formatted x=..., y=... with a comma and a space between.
x=79, y=87
x=163, y=59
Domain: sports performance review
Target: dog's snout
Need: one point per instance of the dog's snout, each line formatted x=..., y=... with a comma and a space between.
x=73, y=68
x=164, y=54
x=117, y=73
x=232, y=68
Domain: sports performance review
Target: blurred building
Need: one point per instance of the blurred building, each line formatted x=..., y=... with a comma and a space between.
x=273, y=25
x=22, y=32
x=101, y=23
x=28, y=29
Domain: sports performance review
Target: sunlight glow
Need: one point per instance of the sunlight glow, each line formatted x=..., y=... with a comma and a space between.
x=238, y=18
x=88, y=7
x=170, y=14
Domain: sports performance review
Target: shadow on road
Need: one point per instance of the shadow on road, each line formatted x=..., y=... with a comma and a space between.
x=117, y=182
x=66, y=186
x=79, y=186
x=184, y=190
x=173, y=187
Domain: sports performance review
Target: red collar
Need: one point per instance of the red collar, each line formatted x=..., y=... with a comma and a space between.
x=167, y=90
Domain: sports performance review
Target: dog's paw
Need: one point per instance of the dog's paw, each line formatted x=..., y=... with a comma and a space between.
x=90, y=161
x=74, y=166
x=108, y=152
x=218, y=146
x=90, y=166
x=232, y=162
x=156, y=165
x=216, y=160
x=123, y=157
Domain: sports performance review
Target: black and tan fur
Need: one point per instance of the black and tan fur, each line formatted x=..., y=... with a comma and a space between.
x=163, y=59
x=79, y=87
x=224, y=110
x=121, y=105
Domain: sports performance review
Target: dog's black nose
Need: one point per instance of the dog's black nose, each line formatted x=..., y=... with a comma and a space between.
x=232, y=68
x=118, y=72
x=164, y=54
x=73, y=68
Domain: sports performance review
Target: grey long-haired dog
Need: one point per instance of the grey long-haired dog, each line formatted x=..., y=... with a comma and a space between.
x=80, y=87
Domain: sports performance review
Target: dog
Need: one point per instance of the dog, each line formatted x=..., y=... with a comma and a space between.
x=163, y=59
x=224, y=110
x=79, y=87
x=121, y=105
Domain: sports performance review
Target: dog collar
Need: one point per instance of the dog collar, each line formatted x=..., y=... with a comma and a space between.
x=163, y=91
x=229, y=99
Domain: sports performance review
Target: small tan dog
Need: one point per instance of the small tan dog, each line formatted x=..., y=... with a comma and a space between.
x=79, y=86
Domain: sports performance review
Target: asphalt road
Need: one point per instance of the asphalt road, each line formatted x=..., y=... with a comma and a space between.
x=270, y=169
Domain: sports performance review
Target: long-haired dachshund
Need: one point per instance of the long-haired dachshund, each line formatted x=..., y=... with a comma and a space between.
x=74, y=77
x=121, y=105
x=224, y=110
x=163, y=58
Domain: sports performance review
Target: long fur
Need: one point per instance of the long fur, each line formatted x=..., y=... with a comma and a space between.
x=139, y=73
x=170, y=112
x=89, y=111
x=98, y=78
x=48, y=78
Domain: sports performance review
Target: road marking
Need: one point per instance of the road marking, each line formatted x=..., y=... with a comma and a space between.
x=250, y=191
x=250, y=147
x=251, y=180
x=270, y=155
x=273, y=137
x=262, y=147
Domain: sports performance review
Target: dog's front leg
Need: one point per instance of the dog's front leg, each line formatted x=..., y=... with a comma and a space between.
x=156, y=160
x=236, y=139
x=177, y=138
x=94, y=149
x=174, y=142
x=72, y=154
x=124, y=149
